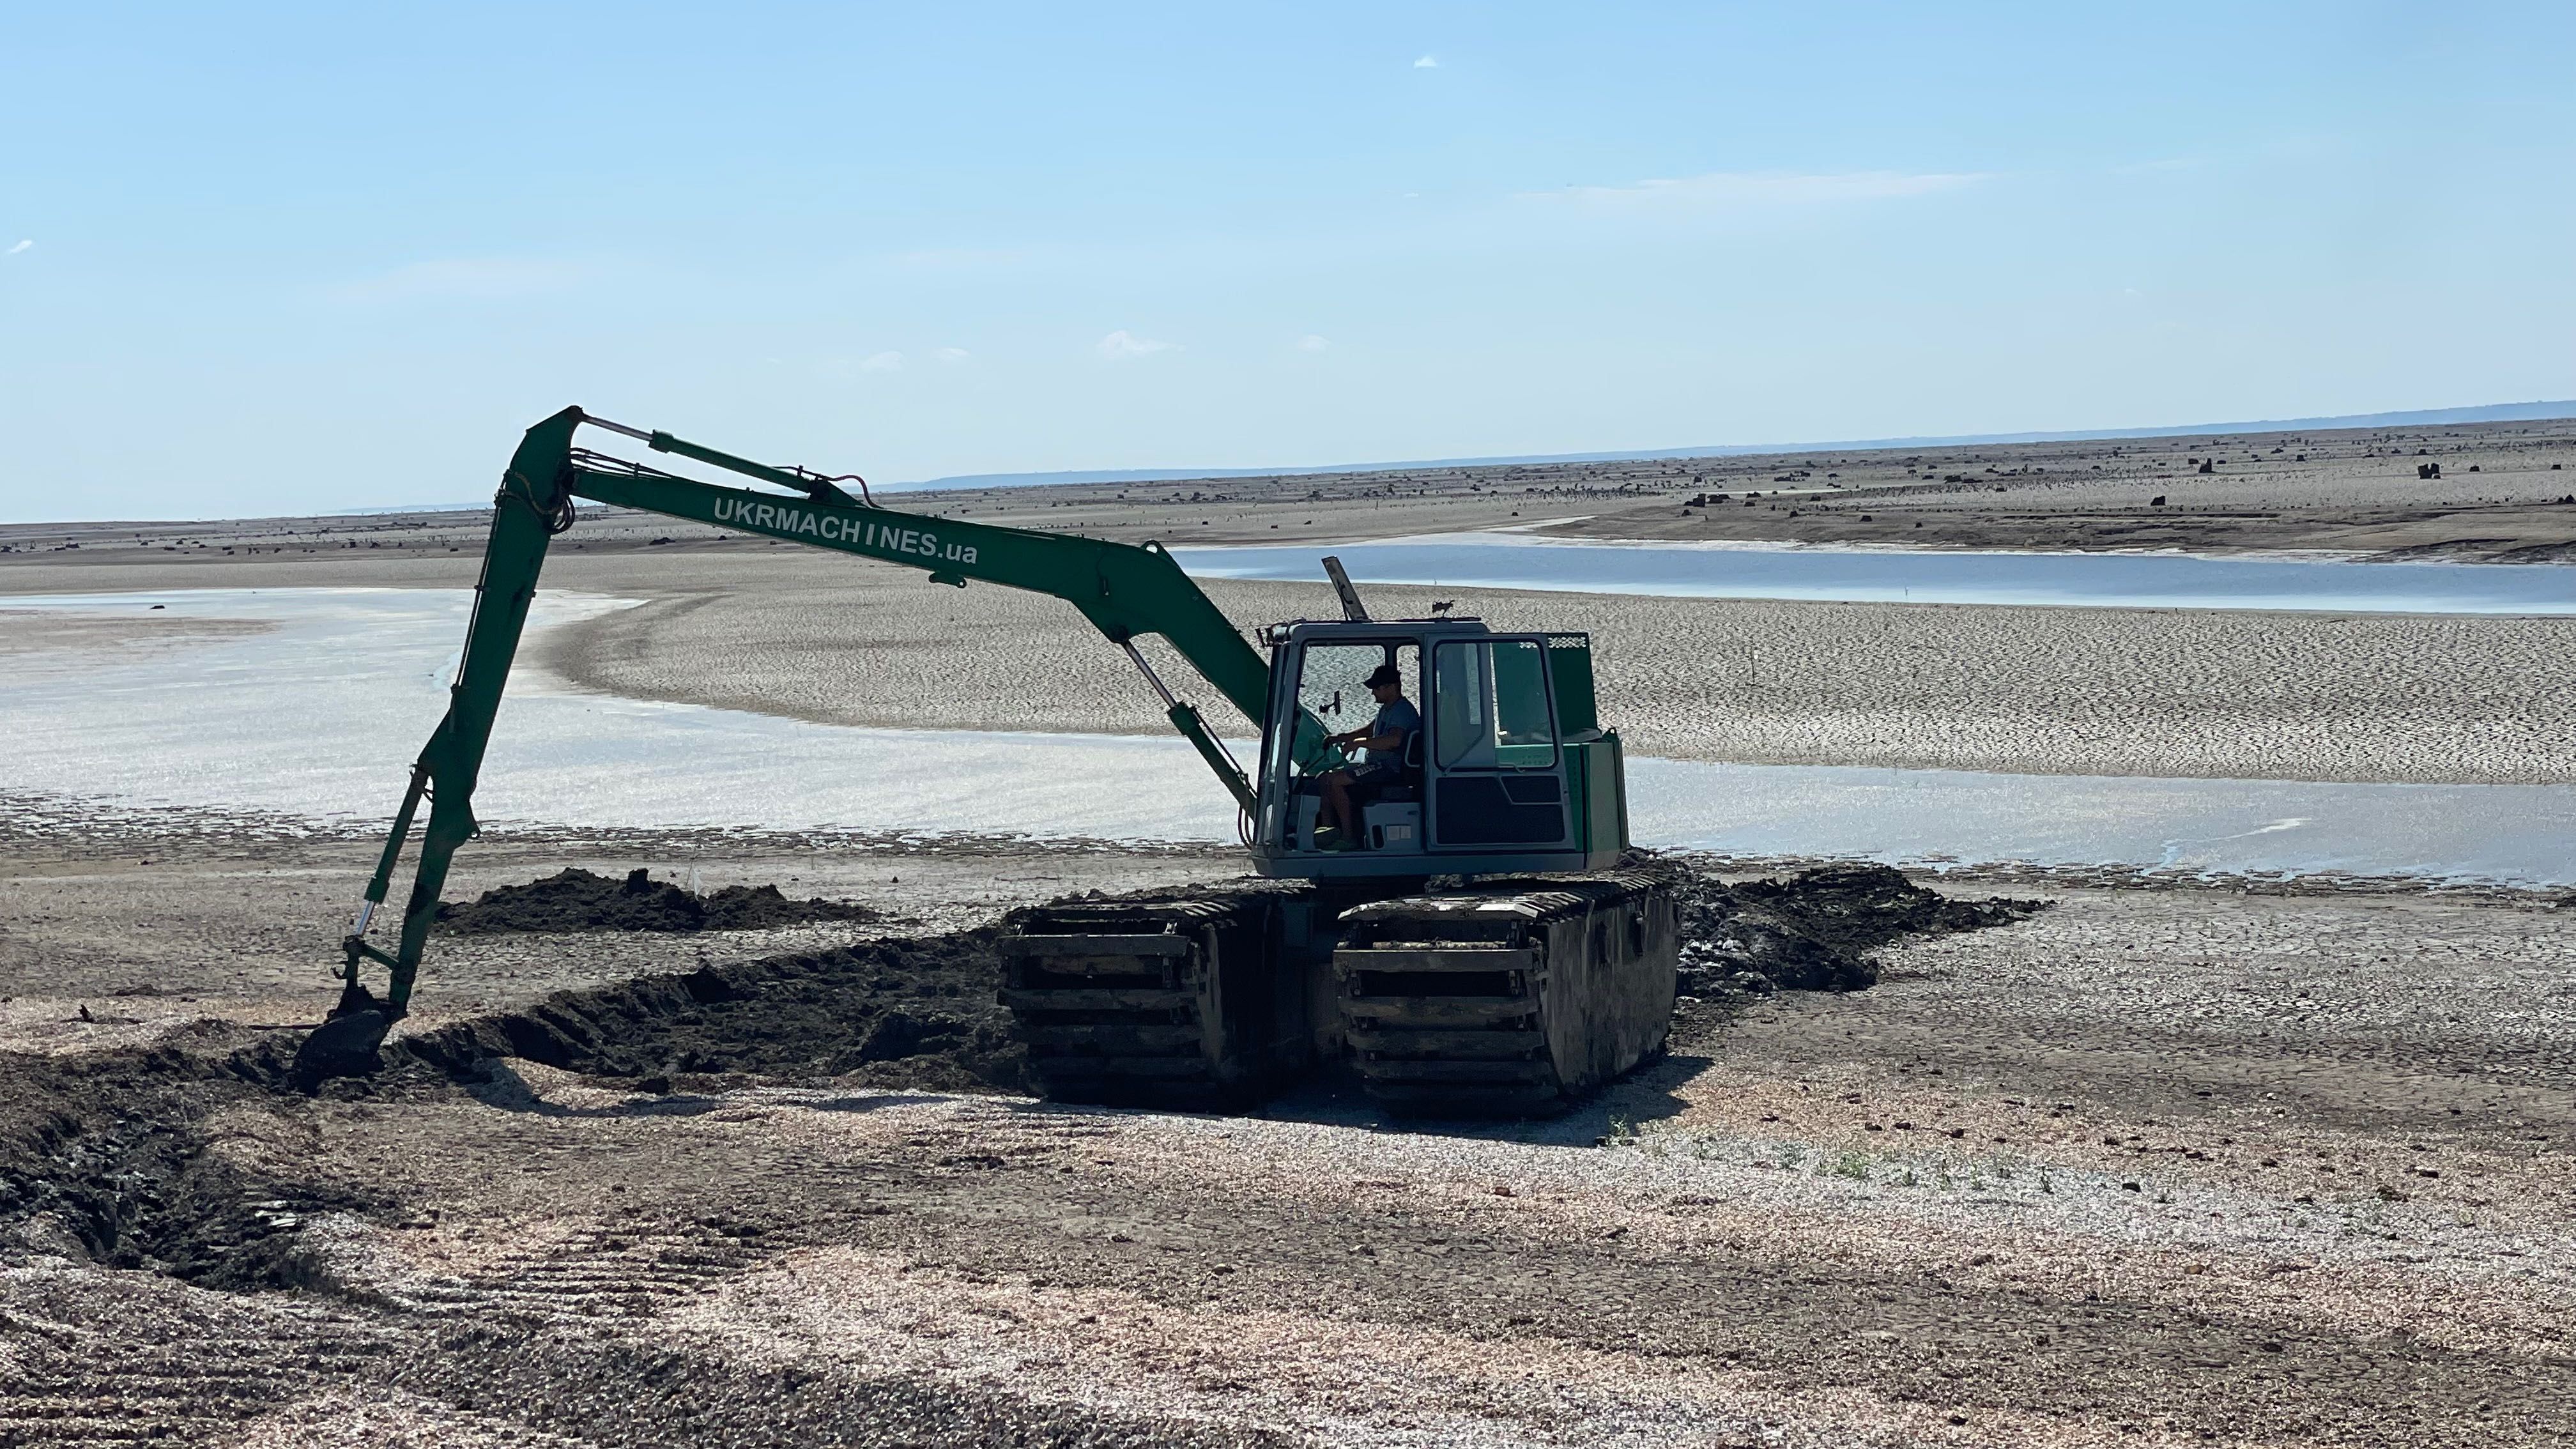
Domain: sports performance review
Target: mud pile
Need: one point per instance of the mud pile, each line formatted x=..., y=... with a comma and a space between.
x=916, y=1012
x=1814, y=931
x=578, y=900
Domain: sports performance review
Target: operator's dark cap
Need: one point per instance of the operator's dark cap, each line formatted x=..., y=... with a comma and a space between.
x=1385, y=674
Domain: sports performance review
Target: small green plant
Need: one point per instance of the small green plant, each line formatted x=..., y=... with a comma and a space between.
x=1854, y=1165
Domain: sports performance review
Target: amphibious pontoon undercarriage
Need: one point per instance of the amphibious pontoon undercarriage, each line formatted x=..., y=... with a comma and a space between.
x=1498, y=998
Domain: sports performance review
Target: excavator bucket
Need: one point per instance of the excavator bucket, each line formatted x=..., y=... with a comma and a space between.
x=343, y=1046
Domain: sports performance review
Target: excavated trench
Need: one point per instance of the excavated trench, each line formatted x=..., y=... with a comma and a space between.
x=105, y=1157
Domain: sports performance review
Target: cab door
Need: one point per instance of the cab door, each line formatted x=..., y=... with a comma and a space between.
x=1495, y=768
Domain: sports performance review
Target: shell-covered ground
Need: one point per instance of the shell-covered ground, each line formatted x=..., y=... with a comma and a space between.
x=2173, y=1165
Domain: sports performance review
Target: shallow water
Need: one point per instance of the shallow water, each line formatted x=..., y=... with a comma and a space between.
x=2173, y=581
x=2524, y=834
x=322, y=717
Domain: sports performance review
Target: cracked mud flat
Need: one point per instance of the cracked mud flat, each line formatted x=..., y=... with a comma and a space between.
x=2146, y=1167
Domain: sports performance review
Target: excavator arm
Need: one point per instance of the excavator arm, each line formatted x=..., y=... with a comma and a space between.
x=1124, y=590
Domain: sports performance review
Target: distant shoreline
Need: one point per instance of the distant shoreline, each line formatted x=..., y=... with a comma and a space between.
x=2449, y=430
x=2347, y=422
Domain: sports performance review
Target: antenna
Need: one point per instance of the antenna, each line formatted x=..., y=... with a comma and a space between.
x=1352, y=609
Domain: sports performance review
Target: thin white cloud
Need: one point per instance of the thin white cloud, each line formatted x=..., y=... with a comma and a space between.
x=962, y=258
x=1428, y=62
x=952, y=354
x=1750, y=189
x=882, y=362
x=483, y=278
x=1312, y=342
x=1122, y=344
x=20, y=247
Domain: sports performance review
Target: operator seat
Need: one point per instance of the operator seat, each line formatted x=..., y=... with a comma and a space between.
x=1407, y=787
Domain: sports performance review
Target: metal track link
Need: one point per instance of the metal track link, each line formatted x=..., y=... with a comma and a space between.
x=1506, y=998
x=1125, y=1003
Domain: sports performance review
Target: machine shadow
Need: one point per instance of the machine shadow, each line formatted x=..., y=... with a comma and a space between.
x=1335, y=1097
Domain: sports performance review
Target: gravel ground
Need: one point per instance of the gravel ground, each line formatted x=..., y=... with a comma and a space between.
x=2152, y=1166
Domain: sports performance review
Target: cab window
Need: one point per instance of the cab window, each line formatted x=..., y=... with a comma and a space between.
x=1333, y=692
x=1491, y=706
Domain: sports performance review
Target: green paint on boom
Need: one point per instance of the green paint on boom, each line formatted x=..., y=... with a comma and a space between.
x=1125, y=590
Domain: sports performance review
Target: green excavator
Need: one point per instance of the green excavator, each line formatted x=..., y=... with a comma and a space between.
x=1457, y=926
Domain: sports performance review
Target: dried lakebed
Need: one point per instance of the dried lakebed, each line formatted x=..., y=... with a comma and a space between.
x=1898, y=575
x=200, y=725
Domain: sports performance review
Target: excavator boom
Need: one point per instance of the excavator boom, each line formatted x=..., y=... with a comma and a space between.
x=1125, y=590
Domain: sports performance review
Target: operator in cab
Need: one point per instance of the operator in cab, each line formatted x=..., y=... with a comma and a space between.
x=1384, y=739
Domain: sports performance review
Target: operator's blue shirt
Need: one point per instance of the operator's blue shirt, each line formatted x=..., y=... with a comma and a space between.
x=1396, y=716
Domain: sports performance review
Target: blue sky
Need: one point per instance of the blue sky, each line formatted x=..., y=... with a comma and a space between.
x=277, y=258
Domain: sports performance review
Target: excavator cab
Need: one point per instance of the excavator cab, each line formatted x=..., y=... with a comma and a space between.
x=1510, y=773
